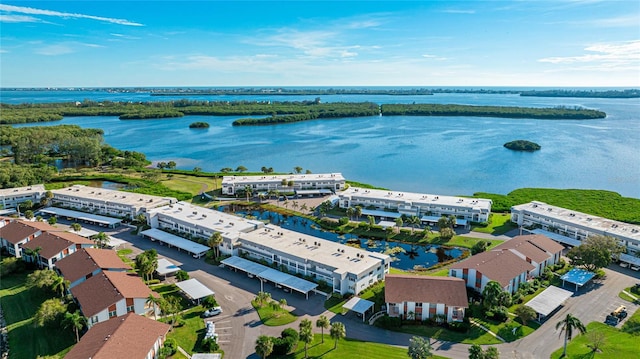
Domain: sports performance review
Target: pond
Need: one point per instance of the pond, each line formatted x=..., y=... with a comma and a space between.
x=108, y=185
x=405, y=256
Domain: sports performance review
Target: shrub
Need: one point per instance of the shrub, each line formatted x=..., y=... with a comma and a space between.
x=499, y=314
x=343, y=221
x=388, y=322
x=209, y=302
x=210, y=345
x=153, y=281
x=461, y=327
x=182, y=275
x=171, y=346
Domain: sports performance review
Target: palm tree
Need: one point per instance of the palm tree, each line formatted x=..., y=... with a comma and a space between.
x=322, y=323
x=399, y=223
x=264, y=346
x=358, y=212
x=214, y=242
x=248, y=191
x=304, y=208
x=294, y=205
x=567, y=325
x=415, y=222
x=154, y=301
x=298, y=169
x=34, y=254
x=283, y=303
x=350, y=212
x=262, y=298
x=59, y=285
x=306, y=334
x=76, y=321
x=338, y=331
x=101, y=239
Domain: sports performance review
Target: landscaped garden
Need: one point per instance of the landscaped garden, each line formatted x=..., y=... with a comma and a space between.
x=272, y=313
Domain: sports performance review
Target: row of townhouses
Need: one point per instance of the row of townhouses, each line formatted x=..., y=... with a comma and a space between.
x=332, y=182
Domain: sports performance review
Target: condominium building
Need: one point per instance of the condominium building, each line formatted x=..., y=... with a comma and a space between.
x=106, y=201
x=428, y=207
x=331, y=182
x=347, y=269
x=574, y=224
x=189, y=220
x=11, y=197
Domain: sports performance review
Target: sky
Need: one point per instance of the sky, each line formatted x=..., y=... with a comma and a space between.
x=560, y=43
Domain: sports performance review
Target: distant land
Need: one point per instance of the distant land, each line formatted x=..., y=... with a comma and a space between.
x=319, y=91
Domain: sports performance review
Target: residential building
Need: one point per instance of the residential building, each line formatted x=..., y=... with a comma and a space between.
x=107, y=202
x=112, y=294
x=537, y=249
x=347, y=269
x=53, y=246
x=186, y=219
x=574, y=224
x=87, y=262
x=428, y=207
x=11, y=197
x=15, y=234
x=130, y=336
x=502, y=266
x=424, y=297
x=284, y=183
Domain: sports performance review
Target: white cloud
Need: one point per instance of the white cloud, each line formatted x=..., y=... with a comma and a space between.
x=33, y=11
x=54, y=50
x=604, y=56
x=18, y=18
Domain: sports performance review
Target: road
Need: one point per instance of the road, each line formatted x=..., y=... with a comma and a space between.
x=240, y=326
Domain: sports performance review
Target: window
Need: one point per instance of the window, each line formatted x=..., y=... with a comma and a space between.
x=94, y=320
x=130, y=308
x=112, y=314
x=418, y=305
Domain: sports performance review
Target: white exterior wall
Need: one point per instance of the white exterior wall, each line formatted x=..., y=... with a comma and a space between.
x=102, y=316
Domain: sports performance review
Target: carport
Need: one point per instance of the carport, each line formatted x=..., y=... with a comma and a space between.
x=381, y=214
x=576, y=276
x=194, y=289
x=557, y=237
x=165, y=267
x=82, y=216
x=548, y=301
x=358, y=305
x=262, y=272
x=196, y=249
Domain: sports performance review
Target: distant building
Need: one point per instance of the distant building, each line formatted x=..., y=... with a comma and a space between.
x=428, y=207
x=11, y=197
x=130, y=336
x=111, y=294
x=87, y=262
x=573, y=224
x=107, y=202
x=346, y=269
x=284, y=183
x=423, y=297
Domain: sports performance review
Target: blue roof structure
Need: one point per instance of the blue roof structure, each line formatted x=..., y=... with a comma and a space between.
x=579, y=277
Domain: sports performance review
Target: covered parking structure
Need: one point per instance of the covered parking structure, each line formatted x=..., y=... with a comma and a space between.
x=165, y=267
x=434, y=220
x=358, y=305
x=197, y=250
x=194, y=289
x=380, y=214
x=548, y=301
x=567, y=241
x=264, y=273
x=627, y=258
x=90, y=218
x=314, y=192
x=577, y=276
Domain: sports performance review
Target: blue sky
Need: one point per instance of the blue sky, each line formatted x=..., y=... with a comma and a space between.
x=571, y=43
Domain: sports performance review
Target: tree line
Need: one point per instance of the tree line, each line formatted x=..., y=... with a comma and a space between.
x=333, y=110
x=558, y=113
x=631, y=93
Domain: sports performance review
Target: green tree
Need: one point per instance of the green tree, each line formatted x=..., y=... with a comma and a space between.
x=41, y=279
x=171, y=165
x=214, y=243
x=306, y=334
x=226, y=169
x=568, y=325
x=241, y=169
x=154, y=302
x=399, y=223
x=197, y=170
x=262, y=298
x=419, y=348
x=337, y=332
x=209, y=302
x=494, y=296
x=182, y=275
x=101, y=239
x=475, y=352
x=28, y=214
x=525, y=313
x=264, y=346
x=146, y=263
x=297, y=169
x=49, y=312
x=415, y=222
x=52, y=220
x=491, y=353
x=76, y=227
x=350, y=212
x=479, y=247
x=322, y=323
x=76, y=321
x=595, y=252
x=170, y=306
x=358, y=212
x=60, y=285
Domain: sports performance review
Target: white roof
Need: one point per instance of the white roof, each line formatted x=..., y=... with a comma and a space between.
x=630, y=259
x=557, y=237
x=34, y=189
x=307, y=177
x=136, y=200
x=81, y=215
x=358, y=305
x=378, y=213
x=550, y=299
x=194, y=289
x=173, y=240
x=270, y=274
x=165, y=267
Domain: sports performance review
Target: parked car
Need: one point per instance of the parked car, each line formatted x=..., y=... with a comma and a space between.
x=211, y=312
x=635, y=268
x=620, y=312
x=624, y=264
x=612, y=320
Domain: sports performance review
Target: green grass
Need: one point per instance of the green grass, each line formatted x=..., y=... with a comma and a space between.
x=273, y=317
x=171, y=290
x=475, y=335
x=19, y=305
x=347, y=348
x=596, y=202
x=626, y=297
x=617, y=344
x=334, y=305
x=465, y=242
x=633, y=291
x=190, y=184
x=190, y=335
x=500, y=224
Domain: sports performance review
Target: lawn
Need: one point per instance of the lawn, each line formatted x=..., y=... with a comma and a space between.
x=617, y=344
x=190, y=335
x=635, y=291
x=19, y=305
x=171, y=290
x=466, y=242
x=334, y=304
x=273, y=316
x=347, y=348
x=190, y=184
x=500, y=224
x=475, y=335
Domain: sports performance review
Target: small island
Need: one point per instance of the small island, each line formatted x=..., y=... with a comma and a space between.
x=522, y=145
x=199, y=125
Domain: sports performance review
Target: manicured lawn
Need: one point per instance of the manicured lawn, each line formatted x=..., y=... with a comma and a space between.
x=500, y=224
x=273, y=316
x=171, y=290
x=475, y=335
x=633, y=291
x=617, y=344
x=19, y=305
x=466, y=242
x=334, y=305
x=190, y=184
x=347, y=348
x=190, y=335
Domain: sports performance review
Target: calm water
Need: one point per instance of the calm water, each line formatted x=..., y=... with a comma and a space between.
x=443, y=155
x=416, y=255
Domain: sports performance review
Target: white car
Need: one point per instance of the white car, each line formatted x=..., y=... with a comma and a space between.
x=635, y=268
x=211, y=312
x=624, y=264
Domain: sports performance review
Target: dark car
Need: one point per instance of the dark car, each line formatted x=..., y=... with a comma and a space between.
x=612, y=320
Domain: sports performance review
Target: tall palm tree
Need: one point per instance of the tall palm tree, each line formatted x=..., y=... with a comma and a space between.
x=264, y=346
x=35, y=255
x=101, y=239
x=322, y=323
x=248, y=191
x=306, y=334
x=214, y=242
x=338, y=331
x=304, y=208
x=567, y=325
x=358, y=212
x=76, y=321
x=154, y=301
x=60, y=285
